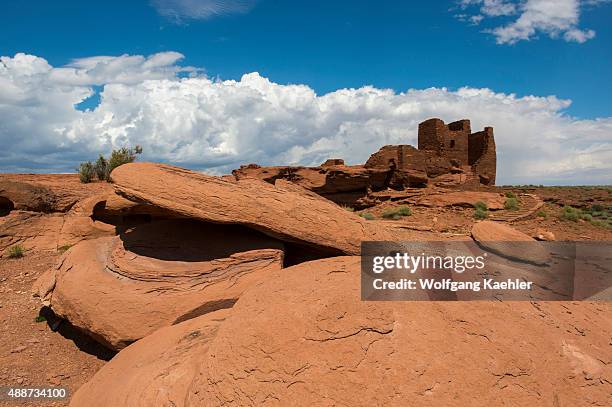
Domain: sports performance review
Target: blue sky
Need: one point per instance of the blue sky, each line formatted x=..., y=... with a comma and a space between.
x=329, y=45
x=211, y=84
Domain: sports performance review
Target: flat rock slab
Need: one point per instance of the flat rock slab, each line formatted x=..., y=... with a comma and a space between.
x=464, y=198
x=120, y=289
x=508, y=242
x=272, y=209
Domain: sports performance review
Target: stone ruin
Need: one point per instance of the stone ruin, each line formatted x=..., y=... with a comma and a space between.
x=448, y=155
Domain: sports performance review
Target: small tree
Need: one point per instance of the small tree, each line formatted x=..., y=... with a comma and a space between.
x=86, y=172
x=100, y=167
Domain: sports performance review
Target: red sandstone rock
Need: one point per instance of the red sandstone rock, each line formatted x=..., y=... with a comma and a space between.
x=545, y=235
x=463, y=198
x=155, y=371
x=274, y=210
x=506, y=241
x=306, y=338
x=120, y=289
x=46, y=192
x=55, y=230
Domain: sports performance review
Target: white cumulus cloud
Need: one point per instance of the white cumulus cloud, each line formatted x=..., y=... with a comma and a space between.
x=528, y=18
x=214, y=125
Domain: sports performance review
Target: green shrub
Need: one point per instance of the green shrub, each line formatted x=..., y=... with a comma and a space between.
x=542, y=214
x=367, y=216
x=570, y=213
x=510, y=194
x=597, y=208
x=15, y=252
x=103, y=167
x=396, y=214
x=100, y=168
x=511, y=204
x=480, y=213
x=391, y=214
x=404, y=211
x=122, y=156
x=586, y=216
x=40, y=318
x=480, y=205
x=86, y=172
x=348, y=208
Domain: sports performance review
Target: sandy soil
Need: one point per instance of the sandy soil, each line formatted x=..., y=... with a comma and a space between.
x=32, y=355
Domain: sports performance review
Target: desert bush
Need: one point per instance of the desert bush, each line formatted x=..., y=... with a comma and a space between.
x=348, y=208
x=510, y=194
x=396, y=214
x=103, y=167
x=480, y=205
x=391, y=214
x=480, y=213
x=100, y=168
x=86, y=172
x=122, y=156
x=511, y=204
x=40, y=318
x=586, y=216
x=571, y=213
x=367, y=216
x=404, y=211
x=542, y=214
x=15, y=252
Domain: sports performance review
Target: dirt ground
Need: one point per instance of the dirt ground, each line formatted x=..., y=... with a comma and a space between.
x=32, y=355
x=456, y=222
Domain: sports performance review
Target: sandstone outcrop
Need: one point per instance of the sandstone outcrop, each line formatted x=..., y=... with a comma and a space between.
x=155, y=371
x=120, y=289
x=55, y=230
x=274, y=210
x=509, y=242
x=45, y=193
x=25, y=196
x=393, y=353
x=493, y=200
x=304, y=337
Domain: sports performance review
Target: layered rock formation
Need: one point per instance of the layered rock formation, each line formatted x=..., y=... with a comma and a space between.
x=189, y=244
x=272, y=209
x=304, y=337
x=447, y=155
x=120, y=289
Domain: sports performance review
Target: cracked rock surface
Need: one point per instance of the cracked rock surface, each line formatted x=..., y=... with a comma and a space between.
x=302, y=336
